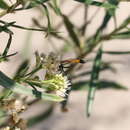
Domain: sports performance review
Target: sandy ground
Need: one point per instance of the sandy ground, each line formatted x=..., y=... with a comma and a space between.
x=111, y=109
x=110, y=112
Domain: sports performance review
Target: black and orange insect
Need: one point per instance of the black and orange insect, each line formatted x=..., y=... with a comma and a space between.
x=69, y=62
x=61, y=69
x=72, y=61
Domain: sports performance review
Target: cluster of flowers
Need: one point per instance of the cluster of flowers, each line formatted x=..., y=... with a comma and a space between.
x=55, y=77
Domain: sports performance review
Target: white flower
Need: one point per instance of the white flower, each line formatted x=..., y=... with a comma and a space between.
x=58, y=83
x=66, y=85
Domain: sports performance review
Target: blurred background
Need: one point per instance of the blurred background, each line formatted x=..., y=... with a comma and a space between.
x=111, y=108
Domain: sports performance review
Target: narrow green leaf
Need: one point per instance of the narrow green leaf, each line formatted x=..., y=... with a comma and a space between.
x=105, y=21
x=94, y=80
x=48, y=19
x=102, y=84
x=2, y=58
x=22, y=70
x=84, y=85
x=94, y=40
x=3, y=5
x=106, y=5
x=55, y=7
x=7, y=83
x=109, y=7
x=117, y=52
x=121, y=35
x=7, y=46
x=70, y=28
x=125, y=23
x=33, y=3
x=4, y=28
x=88, y=1
x=109, y=13
x=5, y=93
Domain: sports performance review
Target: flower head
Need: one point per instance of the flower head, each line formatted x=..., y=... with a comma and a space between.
x=50, y=63
x=58, y=83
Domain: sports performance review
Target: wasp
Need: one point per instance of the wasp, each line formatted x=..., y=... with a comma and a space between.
x=68, y=62
x=61, y=69
x=73, y=61
x=53, y=65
